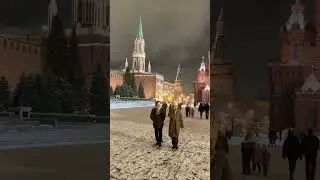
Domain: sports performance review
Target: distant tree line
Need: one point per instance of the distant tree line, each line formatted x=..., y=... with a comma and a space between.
x=62, y=88
x=129, y=88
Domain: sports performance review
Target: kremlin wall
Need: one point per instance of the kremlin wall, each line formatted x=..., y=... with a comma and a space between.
x=17, y=57
x=23, y=53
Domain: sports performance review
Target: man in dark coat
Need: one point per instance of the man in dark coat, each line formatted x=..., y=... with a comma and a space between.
x=310, y=144
x=247, y=151
x=201, y=109
x=207, y=109
x=292, y=151
x=158, y=115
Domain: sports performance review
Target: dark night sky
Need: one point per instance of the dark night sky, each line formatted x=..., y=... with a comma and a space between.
x=253, y=37
x=252, y=33
x=175, y=32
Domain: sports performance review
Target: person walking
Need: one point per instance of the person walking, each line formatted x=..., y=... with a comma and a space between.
x=248, y=152
x=221, y=169
x=192, y=111
x=310, y=144
x=258, y=157
x=175, y=124
x=187, y=108
x=201, y=109
x=158, y=115
x=292, y=151
x=266, y=155
x=207, y=109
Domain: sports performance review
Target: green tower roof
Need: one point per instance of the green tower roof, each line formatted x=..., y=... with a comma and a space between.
x=139, y=29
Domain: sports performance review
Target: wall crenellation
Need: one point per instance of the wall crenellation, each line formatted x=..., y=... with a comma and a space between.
x=19, y=46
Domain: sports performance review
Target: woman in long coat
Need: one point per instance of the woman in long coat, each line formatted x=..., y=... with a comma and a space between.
x=175, y=124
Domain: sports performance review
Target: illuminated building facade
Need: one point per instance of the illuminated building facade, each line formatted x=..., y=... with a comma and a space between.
x=294, y=79
x=154, y=84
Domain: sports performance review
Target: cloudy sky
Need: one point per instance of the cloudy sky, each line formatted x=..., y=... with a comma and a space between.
x=175, y=32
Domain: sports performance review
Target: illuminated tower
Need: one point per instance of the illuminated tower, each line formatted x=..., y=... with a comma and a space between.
x=139, y=55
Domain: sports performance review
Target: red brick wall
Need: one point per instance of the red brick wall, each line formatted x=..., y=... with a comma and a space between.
x=94, y=50
x=148, y=83
x=116, y=79
x=17, y=58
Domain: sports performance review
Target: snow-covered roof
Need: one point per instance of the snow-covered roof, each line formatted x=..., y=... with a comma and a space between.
x=297, y=16
x=311, y=84
x=207, y=88
x=203, y=65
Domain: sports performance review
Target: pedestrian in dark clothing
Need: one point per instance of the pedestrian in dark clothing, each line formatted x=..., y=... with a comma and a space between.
x=310, y=144
x=158, y=115
x=187, y=108
x=248, y=152
x=220, y=167
x=201, y=109
x=292, y=151
x=207, y=109
x=224, y=141
x=272, y=138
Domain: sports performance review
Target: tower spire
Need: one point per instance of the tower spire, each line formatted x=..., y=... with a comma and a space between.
x=220, y=23
x=140, y=30
x=126, y=64
x=218, y=49
x=52, y=12
x=149, y=67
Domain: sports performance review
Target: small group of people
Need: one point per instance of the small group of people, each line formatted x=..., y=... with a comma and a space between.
x=295, y=148
x=158, y=115
x=273, y=137
x=255, y=155
x=204, y=107
x=189, y=111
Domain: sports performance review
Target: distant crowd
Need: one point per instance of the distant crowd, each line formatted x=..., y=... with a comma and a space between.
x=256, y=157
x=202, y=108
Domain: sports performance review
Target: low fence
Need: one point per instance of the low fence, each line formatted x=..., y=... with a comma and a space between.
x=56, y=118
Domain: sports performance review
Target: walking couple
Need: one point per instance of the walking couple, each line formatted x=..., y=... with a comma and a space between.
x=158, y=115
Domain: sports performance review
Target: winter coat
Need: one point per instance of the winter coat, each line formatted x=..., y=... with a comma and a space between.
x=310, y=145
x=291, y=148
x=221, y=169
x=201, y=108
x=258, y=154
x=158, y=116
x=176, y=122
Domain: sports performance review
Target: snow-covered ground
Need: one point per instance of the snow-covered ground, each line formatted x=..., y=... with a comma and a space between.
x=58, y=136
x=130, y=104
x=120, y=104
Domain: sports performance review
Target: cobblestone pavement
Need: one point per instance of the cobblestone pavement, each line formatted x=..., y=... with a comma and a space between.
x=134, y=156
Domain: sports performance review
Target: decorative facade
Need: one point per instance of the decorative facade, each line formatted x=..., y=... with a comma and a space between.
x=154, y=84
x=294, y=80
x=202, y=84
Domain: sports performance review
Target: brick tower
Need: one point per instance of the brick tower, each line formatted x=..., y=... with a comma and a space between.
x=221, y=75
